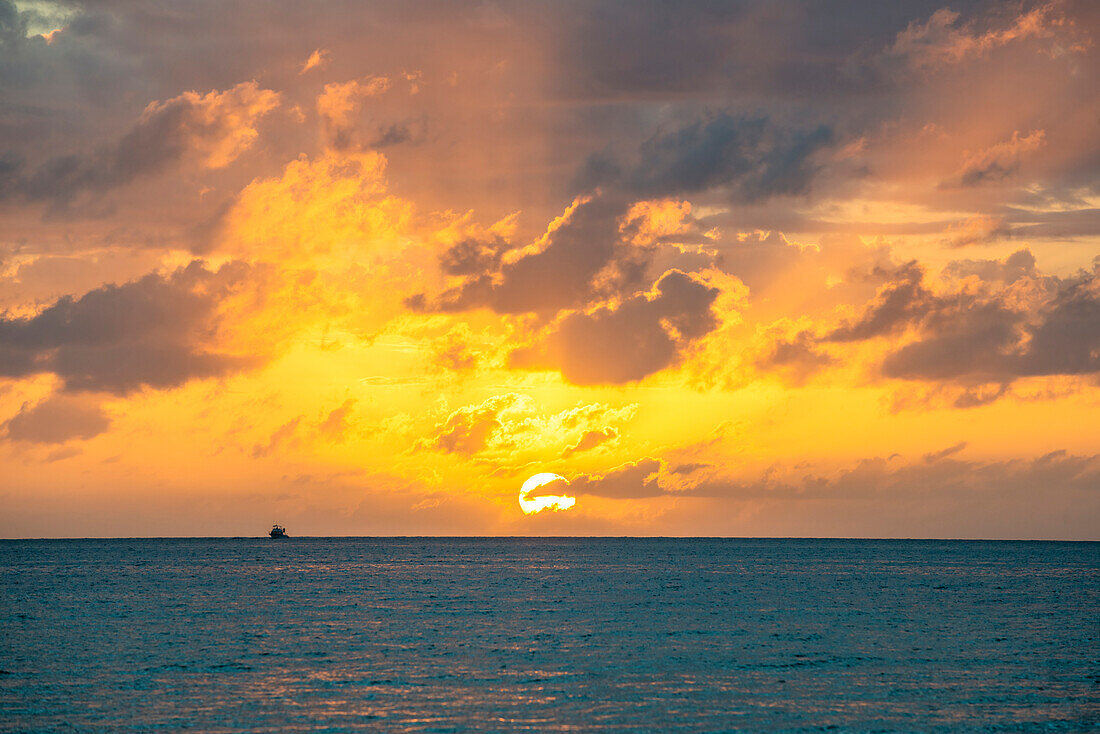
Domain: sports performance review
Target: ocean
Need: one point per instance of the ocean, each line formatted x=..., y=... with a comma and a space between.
x=561, y=634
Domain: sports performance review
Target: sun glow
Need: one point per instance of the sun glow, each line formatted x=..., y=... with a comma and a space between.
x=531, y=505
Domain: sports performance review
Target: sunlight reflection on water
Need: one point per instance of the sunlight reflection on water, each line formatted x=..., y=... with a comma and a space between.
x=558, y=634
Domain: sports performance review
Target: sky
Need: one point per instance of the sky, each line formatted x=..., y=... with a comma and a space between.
x=715, y=268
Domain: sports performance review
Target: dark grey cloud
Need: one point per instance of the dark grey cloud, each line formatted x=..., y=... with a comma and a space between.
x=560, y=275
x=1061, y=224
x=151, y=332
x=398, y=132
x=1020, y=264
x=749, y=158
x=473, y=256
x=901, y=301
x=962, y=337
x=56, y=419
x=217, y=125
x=640, y=336
x=984, y=336
x=613, y=48
x=1066, y=339
x=616, y=47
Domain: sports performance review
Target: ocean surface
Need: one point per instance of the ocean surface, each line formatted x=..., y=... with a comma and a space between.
x=442, y=635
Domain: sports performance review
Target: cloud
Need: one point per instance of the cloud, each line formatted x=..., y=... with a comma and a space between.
x=591, y=440
x=987, y=324
x=934, y=456
x=978, y=340
x=938, y=487
x=898, y=303
x=285, y=436
x=967, y=339
x=1015, y=323
x=689, y=468
x=335, y=426
x=622, y=47
x=213, y=129
x=795, y=356
x=997, y=162
x=1018, y=265
x=557, y=272
x=603, y=245
x=636, y=479
x=510, y=424
x=940, y=42
x=749, y=158
x=937, y=474
x=980, y=230
x=325, y=211
x=319, y=59
x=615, y=50
x=759, y=258
x=615, y=344
x=1066, y=338
x=57, y=419
x=473, y=256
x=338, y=106
x=1056, y=224
x=455, y=351
x=155, y=331
x=470, y=430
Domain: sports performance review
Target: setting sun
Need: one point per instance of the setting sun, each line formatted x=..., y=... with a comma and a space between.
x=531, y=505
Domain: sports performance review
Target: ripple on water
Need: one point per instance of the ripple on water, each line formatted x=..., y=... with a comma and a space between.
x=538, y=635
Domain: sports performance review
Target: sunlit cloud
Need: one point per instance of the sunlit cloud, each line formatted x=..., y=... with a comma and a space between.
x=319, y=59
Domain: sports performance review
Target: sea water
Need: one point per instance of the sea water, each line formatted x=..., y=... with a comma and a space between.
x=427, y=634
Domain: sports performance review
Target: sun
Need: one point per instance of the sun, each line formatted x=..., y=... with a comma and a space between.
x=531, y=505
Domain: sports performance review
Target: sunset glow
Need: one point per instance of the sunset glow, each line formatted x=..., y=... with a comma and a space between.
x=365, y=272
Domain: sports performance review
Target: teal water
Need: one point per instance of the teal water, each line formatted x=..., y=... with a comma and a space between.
x=354, y=634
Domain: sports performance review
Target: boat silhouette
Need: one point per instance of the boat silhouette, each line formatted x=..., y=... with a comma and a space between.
x=278, y=531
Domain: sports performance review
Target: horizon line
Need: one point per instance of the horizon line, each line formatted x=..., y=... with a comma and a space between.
x=974, y=539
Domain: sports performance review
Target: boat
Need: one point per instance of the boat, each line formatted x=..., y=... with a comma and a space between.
x=278, y=531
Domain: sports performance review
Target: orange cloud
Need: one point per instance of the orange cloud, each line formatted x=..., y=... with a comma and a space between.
x=996, y=162
x=329, y=209
x=978, y=230
x=319, y=59
x=939, y=42
x=212, y=129
x=338, y=106
x=511, y=424
x=216, y=126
